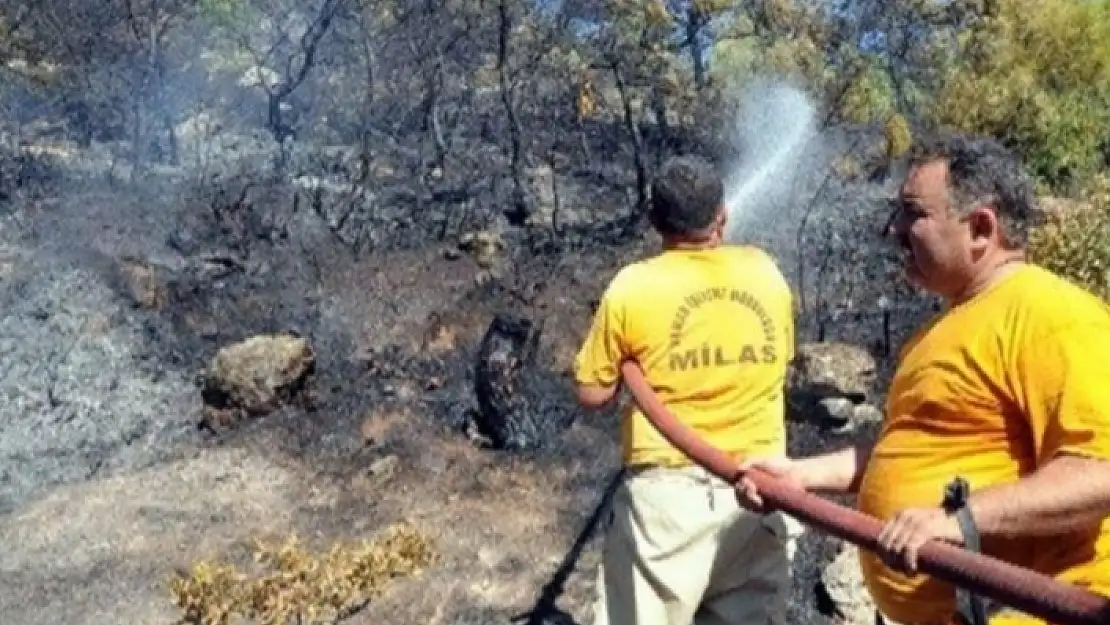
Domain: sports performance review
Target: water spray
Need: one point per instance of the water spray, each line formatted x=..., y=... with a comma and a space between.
x=776, y=127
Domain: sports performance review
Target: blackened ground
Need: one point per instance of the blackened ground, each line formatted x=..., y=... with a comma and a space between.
x=106, y=483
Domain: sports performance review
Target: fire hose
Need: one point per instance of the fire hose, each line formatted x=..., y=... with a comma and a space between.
x=1033, y=593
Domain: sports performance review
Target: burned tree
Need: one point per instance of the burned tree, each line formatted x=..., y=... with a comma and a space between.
x=285, y=50
x=150, y=25
x=520, y=406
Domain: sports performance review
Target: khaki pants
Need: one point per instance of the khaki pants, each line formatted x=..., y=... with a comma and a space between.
x=681, y=550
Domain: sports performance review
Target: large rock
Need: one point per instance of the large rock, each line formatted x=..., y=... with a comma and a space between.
x=841, y=593
x=830, y=384
x=255, y=377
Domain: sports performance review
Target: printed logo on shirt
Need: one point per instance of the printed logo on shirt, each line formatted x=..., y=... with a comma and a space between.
x=721, y=354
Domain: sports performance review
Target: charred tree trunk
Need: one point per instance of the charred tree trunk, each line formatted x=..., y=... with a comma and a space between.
x=695, y=22
x=518, y=211
x=638, y=156
x=659, y=109
x=296, y=74
x=519, y=404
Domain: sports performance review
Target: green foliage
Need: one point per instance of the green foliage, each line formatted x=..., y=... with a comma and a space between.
x=869, y=98
x=1036, y=74
x=898, y=137
x=1075, y=242
x=738, y=61
x=785, y=38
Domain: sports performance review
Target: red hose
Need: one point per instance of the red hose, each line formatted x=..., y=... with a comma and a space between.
x=1033, y=593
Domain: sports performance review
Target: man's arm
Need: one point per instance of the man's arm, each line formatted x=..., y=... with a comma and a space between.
x=836, y=472
x=1068, y=493
x=597, y=364
x=1062, y=391
x=592, y=397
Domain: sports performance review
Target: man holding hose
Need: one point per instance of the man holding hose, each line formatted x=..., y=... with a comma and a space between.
x=1007, y=389
x=712, y=327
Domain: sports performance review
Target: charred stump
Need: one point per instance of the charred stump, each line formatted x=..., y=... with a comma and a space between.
x=520, y=406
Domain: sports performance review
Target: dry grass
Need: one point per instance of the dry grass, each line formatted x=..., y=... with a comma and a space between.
x=298, y=586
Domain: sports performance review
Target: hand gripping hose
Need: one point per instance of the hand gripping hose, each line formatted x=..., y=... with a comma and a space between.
x=1028, y=591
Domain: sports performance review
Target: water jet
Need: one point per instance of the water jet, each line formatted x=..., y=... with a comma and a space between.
x=776, y=129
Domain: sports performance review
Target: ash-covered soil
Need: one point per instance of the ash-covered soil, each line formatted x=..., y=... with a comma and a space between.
x=107, y=483
x=114, y=299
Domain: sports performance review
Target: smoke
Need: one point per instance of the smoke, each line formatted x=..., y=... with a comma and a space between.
x=776, y=132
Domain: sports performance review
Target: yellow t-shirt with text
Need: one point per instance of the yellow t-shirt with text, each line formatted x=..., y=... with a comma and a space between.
x=991, y=390
x=713, y=331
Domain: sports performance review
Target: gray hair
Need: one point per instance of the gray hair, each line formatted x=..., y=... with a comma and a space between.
x=983, y=171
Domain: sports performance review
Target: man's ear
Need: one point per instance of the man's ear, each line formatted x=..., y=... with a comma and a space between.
x=985, y=227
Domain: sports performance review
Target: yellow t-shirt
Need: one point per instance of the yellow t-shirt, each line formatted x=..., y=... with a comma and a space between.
x=990, y=390
x=713, y=331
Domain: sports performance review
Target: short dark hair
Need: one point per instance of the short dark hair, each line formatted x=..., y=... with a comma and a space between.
x=686, y=195
x=982, y=170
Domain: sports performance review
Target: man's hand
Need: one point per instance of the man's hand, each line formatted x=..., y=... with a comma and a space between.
x=781, y=467
x=907, y=531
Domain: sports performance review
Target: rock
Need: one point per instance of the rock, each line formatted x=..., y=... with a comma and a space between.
x=830, y=384
x=484, y=245
x=384, y=467
x=867, y=414
x=838, y=411
x=836, y=368
x=518, y=404
x=841, y=593
x=143, y=283
x=255, y=377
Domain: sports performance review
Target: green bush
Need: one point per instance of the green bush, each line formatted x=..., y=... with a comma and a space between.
x=1035, y=73
x=1075, y=242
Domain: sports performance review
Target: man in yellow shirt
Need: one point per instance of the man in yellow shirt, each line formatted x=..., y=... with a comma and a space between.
x=712, y=327
x=1005, y=389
